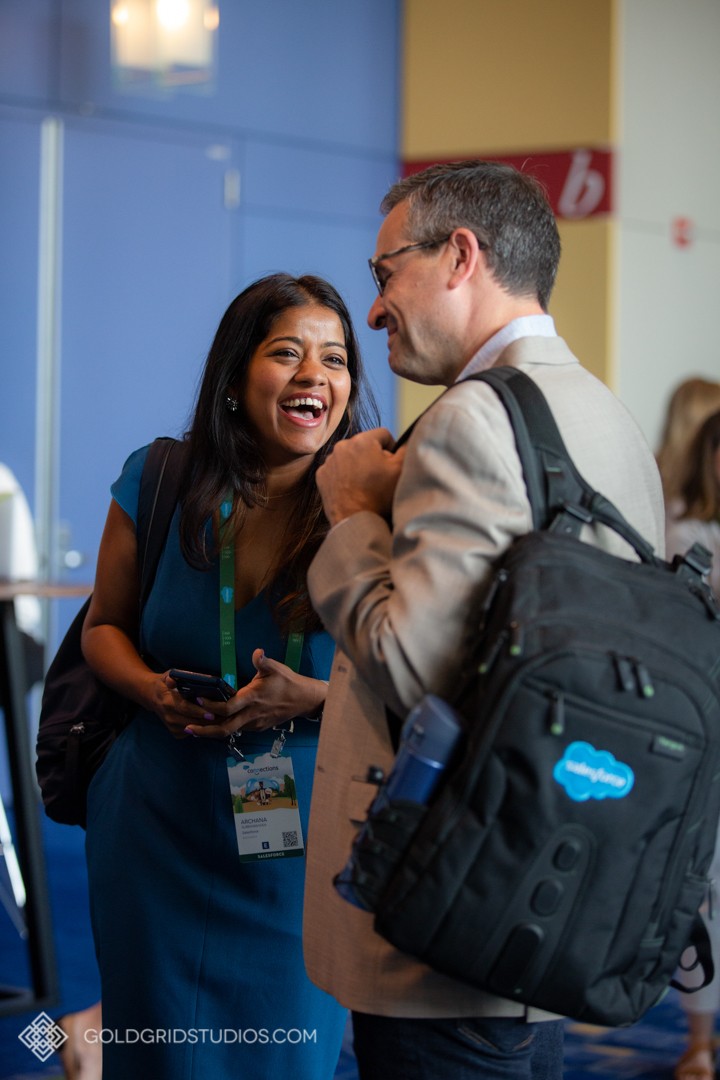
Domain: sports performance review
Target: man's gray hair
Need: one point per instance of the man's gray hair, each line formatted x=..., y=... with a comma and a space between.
x=507, y=210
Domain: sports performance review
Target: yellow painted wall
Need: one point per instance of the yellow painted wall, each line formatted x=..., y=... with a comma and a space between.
x=504, y=76
x=582, y=301
x=498, y=76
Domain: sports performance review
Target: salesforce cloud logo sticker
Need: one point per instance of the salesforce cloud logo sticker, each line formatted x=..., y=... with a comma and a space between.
x=587, y=773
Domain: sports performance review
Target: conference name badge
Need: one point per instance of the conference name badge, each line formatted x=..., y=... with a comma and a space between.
x=265, y=807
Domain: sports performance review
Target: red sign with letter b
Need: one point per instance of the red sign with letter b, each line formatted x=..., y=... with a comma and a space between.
x=578, y=183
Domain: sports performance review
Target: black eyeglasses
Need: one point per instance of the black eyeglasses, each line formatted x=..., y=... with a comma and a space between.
x=373, y=262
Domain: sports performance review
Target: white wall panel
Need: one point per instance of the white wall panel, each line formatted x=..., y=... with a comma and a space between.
x=669, y=163
x=668, y=321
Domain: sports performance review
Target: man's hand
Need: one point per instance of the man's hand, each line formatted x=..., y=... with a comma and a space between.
x=360, y=474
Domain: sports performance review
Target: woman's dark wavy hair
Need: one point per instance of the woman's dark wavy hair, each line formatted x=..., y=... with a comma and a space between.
x=223, y=453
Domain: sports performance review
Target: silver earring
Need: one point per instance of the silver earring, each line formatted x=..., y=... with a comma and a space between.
x=231, y=403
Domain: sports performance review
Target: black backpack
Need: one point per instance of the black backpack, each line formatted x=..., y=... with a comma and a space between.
x=563, y=862
x=80, y=716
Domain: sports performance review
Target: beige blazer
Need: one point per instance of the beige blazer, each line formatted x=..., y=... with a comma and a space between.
x=401, y=606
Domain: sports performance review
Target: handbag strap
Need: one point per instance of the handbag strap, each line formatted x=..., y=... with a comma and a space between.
x=159, y=493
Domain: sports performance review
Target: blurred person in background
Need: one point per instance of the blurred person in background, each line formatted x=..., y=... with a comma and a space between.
x=690, y=404
x=698, y=521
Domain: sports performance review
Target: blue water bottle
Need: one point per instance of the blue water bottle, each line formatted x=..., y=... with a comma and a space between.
x=427, y=741
x=428, y=738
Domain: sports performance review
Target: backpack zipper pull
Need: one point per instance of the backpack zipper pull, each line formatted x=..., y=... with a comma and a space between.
x=491, y=654
x=557, y=713
x=499, y=579
x=644, y=681
x=517, y=638
x=625, y=673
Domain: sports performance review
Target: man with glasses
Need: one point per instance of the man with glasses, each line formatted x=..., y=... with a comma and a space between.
x=465, y=263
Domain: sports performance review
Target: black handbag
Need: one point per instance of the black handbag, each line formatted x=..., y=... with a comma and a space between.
x=80, y=716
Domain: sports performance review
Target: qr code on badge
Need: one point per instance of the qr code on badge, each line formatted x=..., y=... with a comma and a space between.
x=290, y=839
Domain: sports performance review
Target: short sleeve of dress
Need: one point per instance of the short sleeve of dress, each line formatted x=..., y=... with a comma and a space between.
x=126, y=489
x=317, y=658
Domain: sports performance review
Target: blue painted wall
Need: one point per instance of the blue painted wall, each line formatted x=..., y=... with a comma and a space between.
x=303, y=113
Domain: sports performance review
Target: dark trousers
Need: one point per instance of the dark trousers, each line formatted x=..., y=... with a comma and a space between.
x=463, y=1048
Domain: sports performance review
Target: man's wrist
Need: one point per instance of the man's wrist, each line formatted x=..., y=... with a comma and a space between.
x=349, y=509
x=315, y=713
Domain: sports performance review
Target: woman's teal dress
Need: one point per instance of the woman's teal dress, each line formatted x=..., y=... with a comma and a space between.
x=200, y=955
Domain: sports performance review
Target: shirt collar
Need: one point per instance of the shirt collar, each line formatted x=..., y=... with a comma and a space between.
x=525, y=326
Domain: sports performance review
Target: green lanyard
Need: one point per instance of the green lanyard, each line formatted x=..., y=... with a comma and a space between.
x=228, y=657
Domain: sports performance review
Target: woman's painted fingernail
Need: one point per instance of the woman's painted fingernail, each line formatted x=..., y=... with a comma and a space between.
x=200, y=700
x=208, y=716
x=189, y=731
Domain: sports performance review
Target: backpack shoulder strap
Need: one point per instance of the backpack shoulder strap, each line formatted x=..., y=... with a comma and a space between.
x=545, y=461
x=560, y=498
x=159, y=492
x=550, y=475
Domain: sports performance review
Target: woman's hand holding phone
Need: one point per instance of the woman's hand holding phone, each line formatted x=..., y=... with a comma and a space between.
x=192, y=685
x=193, y=698
x=273, y=696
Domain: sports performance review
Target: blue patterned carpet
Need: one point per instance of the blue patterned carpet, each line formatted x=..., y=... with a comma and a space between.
x=646, y=1050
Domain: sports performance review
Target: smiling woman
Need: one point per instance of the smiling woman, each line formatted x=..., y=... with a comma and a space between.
x=212, y=874
x=297, y=387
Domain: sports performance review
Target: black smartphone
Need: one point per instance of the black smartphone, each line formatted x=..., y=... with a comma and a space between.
x=192, y=685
